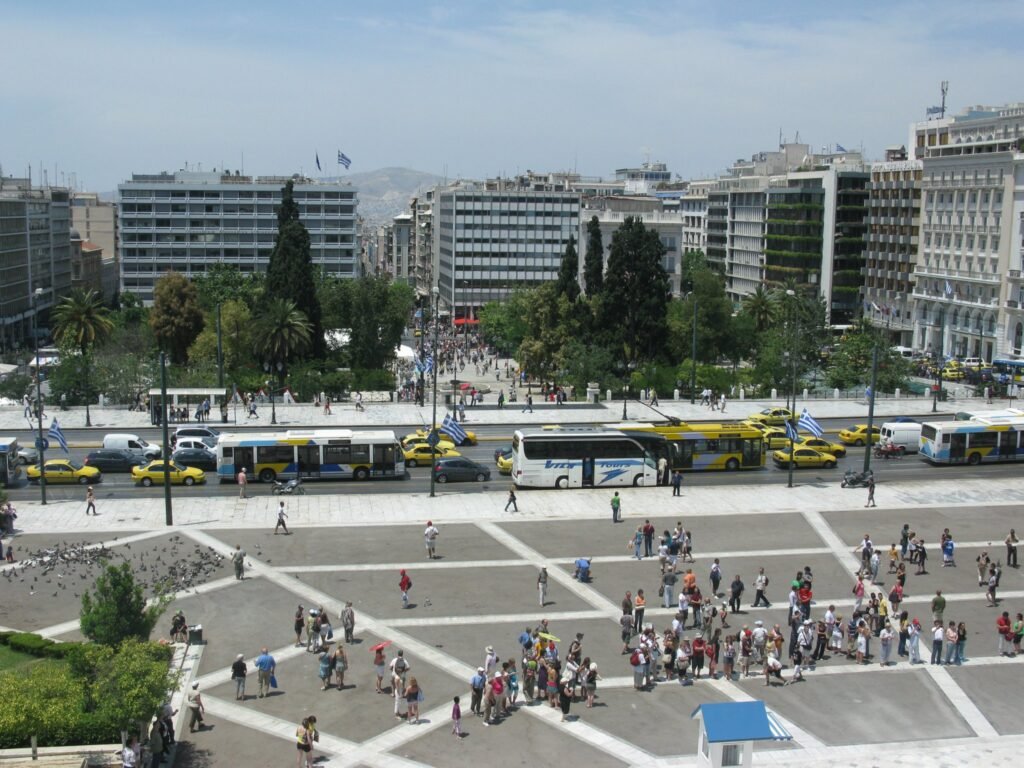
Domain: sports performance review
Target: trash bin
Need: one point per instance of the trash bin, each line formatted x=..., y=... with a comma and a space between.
x=195, y=635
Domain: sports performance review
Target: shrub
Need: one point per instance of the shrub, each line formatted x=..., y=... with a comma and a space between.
x=26, y=642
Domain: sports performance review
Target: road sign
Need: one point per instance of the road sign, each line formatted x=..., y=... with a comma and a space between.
x=42, y=444
x=433, y=438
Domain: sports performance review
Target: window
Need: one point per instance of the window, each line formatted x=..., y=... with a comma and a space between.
x=732, y=754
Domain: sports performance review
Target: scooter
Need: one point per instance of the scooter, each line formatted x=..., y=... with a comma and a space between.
x=853, y=479
x=889, y=452
x=292, y=486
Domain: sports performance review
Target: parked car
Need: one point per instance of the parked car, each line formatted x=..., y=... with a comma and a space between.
x=27, y=454
x=200, y=458
x=65, y=471
x=455, y=469
x=112, y=460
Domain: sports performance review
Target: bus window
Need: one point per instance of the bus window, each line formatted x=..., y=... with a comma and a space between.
x=957, y=446
x=751, y=453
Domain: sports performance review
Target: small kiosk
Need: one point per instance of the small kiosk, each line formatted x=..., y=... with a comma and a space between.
x=729, y=729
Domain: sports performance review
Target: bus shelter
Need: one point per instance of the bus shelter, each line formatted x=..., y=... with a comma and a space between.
x=187, y=398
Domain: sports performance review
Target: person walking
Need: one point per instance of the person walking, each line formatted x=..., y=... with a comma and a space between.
x=265, y=666
x=304, y=743
x=649, y=531
x=281, y=515
x=511, y=500
x=456, y=718
x=348, y=622
x=760, y=585
x=238, y=673
x=735, y=593
x=616, y=505
x=430, y=534
x=90, y=501
x=404, y=585
x=1011, y=549
x=662, y=471
x=639, y=607
x=871, y=492
x=528, y=407
x=476, y=685
x=637, y=542
x=542, y=586
x=668, y=583
x=677, y=483
x=238, y=561
x=195, y=709
x=242, y=482
x=299, y=624
x=938, y=606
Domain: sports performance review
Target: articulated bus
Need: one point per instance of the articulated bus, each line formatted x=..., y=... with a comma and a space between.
x=698, y=447
x=583, y=457
x=326, y=454
x=988, y=439
x=10, y=465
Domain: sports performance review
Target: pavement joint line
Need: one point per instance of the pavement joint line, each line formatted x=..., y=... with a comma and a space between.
x=963, y=704
x=918, y=752
x=800, y=736
x=501, y=618
x=271, y=724
x=223, y=675
x=424, y=566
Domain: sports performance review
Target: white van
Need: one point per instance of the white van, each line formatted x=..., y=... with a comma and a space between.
x=907, y=353
x=902, y=434
x=132, y=443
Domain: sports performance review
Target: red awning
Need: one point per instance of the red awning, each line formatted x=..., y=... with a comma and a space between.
x=465, y=321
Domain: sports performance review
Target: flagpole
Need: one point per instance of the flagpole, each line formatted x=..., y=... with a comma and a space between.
x=871, y=406
x=40, y=444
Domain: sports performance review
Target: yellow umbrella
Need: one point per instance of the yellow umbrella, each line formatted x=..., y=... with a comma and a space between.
x=546, y=636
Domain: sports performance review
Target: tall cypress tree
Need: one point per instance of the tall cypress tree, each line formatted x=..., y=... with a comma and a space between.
x=593, y=264
x=568, y=272
x=290, y=272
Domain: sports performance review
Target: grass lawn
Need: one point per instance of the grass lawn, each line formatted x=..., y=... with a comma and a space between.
x=13, y=661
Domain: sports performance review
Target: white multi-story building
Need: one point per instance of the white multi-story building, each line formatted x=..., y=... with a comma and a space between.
x=968, y=283
x=187, y=221
x=694, y=207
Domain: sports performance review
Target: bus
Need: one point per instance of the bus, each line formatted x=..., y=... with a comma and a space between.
x=699, y=447
x=1008, y=371
x=584, y=457
x=311, y=454
x=10, y=464
x=988, y=439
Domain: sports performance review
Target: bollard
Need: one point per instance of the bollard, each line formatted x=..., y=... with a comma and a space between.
x=805, y=393
x=743, y=394
x=35, y=749
x=608, y=395
x=835, y=393
x=775, y=393
x=675, y=394
x=896, y=394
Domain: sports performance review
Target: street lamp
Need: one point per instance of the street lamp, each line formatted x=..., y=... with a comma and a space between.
x=625, y=397
x=791, y=353
x=937, y=392
x=432, y=435
x=39, y=394
x=693, y=352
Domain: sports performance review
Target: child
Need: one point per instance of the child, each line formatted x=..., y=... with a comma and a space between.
x=894, y=557
x=836, y=643
x=456, y=718
x=513, y=684
x=798, y=673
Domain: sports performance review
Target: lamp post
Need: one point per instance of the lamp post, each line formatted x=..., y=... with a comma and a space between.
x=168, y=512
x=36, y=296
x=791, y=294
x=423, y=336
x=937, y=393
x=220, y=352
x=693, y=352
x=871, y=405
x=432, y=436
x=625, y=397
x=270, y=391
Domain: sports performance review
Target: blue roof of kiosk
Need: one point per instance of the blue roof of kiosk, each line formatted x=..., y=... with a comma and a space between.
x=740, y=721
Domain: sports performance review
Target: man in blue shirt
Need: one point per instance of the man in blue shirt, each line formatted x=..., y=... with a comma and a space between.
x=477, y=683
x=265, y=666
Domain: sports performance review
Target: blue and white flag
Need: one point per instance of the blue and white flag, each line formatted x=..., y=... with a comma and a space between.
x=343, y=159
x=840, y=148
x=949, y=288
x=425, y=364
x=808, y=424
x=453, y=429
x=55, y=433
x=791, y=431
x=933, y=111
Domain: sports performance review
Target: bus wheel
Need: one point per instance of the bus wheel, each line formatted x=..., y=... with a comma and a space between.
x=732, y=465
x=562, y=482
x=638, y=481
x=267, y=475
x=361, y=473
x=974, y=458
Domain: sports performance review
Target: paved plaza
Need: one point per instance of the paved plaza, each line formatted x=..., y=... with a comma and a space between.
x=481, y=591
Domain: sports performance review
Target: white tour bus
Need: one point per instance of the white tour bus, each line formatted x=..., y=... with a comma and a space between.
x=584, y=457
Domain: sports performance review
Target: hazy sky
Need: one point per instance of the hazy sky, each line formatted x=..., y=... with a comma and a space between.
x=105, y=89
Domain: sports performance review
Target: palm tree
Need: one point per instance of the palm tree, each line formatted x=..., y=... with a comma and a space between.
x=281, y=331
x=79, y=320
x=762, y=307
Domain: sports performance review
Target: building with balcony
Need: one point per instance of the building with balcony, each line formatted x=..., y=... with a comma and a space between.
x=967, y=286
x=694, y=207
x=35, y=253
x=86, y=264
x=189, y=220
x=401, y=266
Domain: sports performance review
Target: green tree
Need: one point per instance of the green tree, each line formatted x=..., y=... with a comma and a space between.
x=125, y=366
x=762, y=307
x=378, y=312
x=236, y=337
x=593, y=263
x=693, y=261
x=116, y=609
x=176, y=318
x=281, y=334
x=635, y=296
x=222, y=283
x=79, y=320
x=850, y=363
x=290, y=273
x=129, y=309
x=550, y=319
x=568, y=277
x=714, y=320
x=505, y=323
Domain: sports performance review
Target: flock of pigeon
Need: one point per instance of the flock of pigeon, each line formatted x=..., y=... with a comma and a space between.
x=174, y=565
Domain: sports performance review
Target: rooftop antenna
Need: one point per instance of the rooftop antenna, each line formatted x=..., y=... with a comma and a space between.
x=780, y=137
x=945, y=88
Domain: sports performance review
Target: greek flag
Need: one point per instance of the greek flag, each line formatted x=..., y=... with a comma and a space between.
x=55, y=433
x=808, y=424
x=949, y=288
x=791, y=431
x=452, y=428
x=425, y=365
x=343, y=159
x=840, y=148
x=933, y=111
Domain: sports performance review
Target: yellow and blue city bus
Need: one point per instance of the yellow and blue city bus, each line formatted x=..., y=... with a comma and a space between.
x=315, y=454
x=697, y=447
x=982, y=439
x=10, y=464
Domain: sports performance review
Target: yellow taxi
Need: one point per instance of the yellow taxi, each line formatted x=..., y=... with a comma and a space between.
x=65, y=471
x=416, y=438
x=773, y=417
x=504, y=462
x=419, y=453
x=470, y=436
x=179, y=475
x=953, y=373
x=804, y=457
x=775, y=437
x=858, y=435
x=836, y=449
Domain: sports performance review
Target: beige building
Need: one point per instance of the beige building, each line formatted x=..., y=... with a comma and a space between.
x=96, y=222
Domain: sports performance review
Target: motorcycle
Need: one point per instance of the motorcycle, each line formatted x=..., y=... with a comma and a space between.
x=889, y=451
x=854, y=479
x=292, y=486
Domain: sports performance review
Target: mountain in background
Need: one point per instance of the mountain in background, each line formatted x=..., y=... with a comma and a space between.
x=384, y=193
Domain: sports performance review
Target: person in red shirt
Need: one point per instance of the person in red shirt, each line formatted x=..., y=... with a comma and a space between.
x=697, y=648
x=804, y=595
x=404, y=584
x=1003, y=629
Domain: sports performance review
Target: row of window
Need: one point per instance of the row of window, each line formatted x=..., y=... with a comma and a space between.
x=230, y=194
x=946, y=240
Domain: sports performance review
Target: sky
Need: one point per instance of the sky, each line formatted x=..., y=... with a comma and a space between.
x=102, y=90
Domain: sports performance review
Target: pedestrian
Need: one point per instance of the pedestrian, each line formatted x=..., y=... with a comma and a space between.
x=542, y=586
x=735, y=593
x=348, y=621
x=616, y=504
x=760, y=585
x=379, y=665
x=324, y=668
x=242, y=482
x=90, y=501
x=904, y=540
x=511, y=500
x=625, y=630
x=404, y=585
x=529, y=404
x=238, y=560
x=265, y=666
x=399, y=669
x=677, y=483
x=281, y=518
x=1011, y=549
x=636, y=541
x=476, y=685
x=456, y=718
x=715, y=576
x=501, y=400
x=430, y=534
x=238, y=672
x=951, y=639
x=1017, y=631
x=565, y=697
x=327, y=406
x=648, y=530
x=304, y=743
x=721, y=403
x=639, y=606
x=913, y=641
x=156, y=744
x=993, y=582
x=131, y=754
x=195, y=709
x=885, y=637
x=871, y=493
x=938, y=633
x=668, y=583
x=298, y=625
x=339, y=664
x=662, y=471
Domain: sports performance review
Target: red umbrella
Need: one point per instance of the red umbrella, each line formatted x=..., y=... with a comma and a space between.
x=381, y=646
x=467, y=385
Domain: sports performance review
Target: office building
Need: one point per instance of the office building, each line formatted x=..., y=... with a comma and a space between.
x=96, y=222
x=35, y=252
x=86, y=264
x=401, y=266
x=190, y=220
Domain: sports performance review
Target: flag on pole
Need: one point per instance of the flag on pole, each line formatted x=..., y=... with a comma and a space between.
x=425, y=364
x=949, y=288
x=808, y=424
x=343, y=159
x=55, y=433
x=453, y=429
x=791, y=432
x=875, y=307
x=840, y=148
x=318, y=162
x=933, y=111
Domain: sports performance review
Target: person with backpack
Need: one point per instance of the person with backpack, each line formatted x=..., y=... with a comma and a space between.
x=637, y=661
x=404, y=585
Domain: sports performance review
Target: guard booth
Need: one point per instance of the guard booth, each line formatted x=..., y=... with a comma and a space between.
x=729, y=729
x=187, y=398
